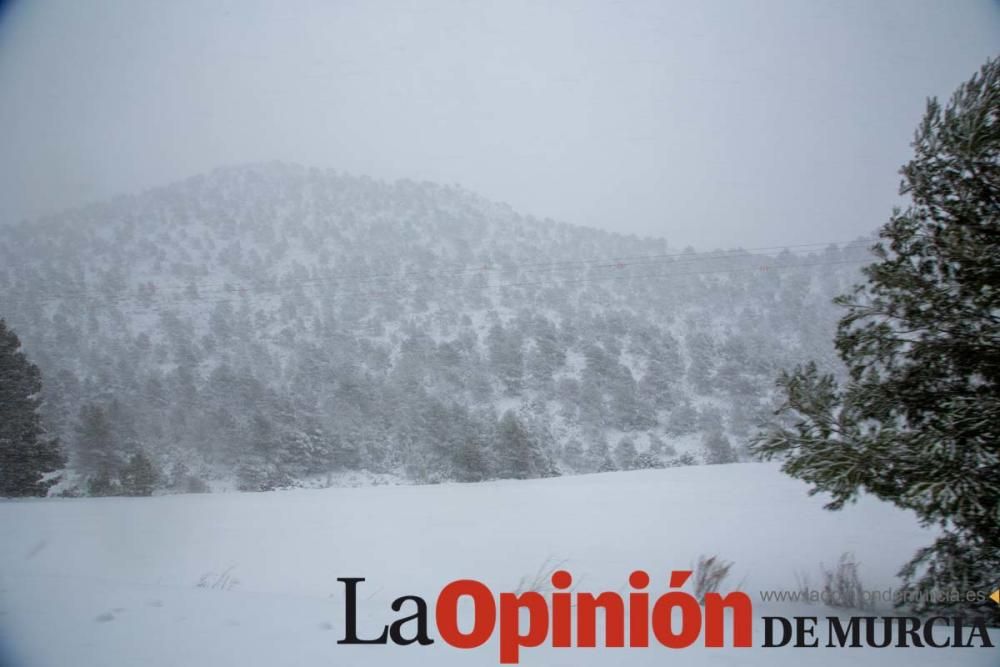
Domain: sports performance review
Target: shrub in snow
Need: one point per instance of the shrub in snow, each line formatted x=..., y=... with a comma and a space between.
x=709, y=574
x=842, y=585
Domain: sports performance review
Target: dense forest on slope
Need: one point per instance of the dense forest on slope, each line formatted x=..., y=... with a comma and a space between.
x=270, y=324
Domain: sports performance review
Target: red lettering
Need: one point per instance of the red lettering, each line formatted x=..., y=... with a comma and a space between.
x=484, y=617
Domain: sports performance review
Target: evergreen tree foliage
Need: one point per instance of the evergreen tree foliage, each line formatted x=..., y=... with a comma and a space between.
x=717, y=447
x=625, y=454
x=918, y=421
x=658, y=448
x=27, y=453
x=96, y=449
x=646, y=460
x=598, y=453
x=471, y=462
x=573, y=454
x=139, y=476
x=520, y=454
x=683, y=419
x=182, y=480
x=101, y=484
x=606, y=464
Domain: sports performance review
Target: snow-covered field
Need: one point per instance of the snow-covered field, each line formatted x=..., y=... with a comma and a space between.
x=115, y=582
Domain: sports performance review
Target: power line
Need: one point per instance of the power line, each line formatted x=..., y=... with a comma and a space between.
x=161, y=308
x=385, y=281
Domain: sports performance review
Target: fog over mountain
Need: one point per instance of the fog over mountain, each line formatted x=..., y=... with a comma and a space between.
x=711, y=124
x=271, y=324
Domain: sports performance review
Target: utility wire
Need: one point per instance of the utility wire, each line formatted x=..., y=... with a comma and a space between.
x=385, y=281
x=164, y=307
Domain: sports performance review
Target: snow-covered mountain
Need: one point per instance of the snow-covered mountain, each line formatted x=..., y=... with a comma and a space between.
x=272, y=323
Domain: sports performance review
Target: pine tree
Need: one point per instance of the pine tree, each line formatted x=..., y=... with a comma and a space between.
x=598, y=454
x=717, y=447
x=139, y=476
x=683, y=419
x=96, y=449
x=658, y=448
x=27, y=453
x=625, y=454
x=918, y=421
x=470, y=461
x=573, y=454
x=100, y=484
x=646, y=460
x=520, y=454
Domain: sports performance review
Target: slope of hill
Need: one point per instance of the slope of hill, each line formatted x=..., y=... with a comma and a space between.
x=251, y=579
x=270, y=324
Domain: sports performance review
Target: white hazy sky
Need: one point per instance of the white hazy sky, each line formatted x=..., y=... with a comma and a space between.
x=713, y=124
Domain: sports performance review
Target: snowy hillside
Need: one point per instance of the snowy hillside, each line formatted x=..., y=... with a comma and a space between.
x=269, y=324
x=115, y=582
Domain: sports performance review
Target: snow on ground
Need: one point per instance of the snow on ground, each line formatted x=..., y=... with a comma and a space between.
x=114, y=582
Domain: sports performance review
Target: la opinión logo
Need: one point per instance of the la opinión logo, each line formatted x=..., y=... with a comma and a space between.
x=675, y=619
x=551, y=618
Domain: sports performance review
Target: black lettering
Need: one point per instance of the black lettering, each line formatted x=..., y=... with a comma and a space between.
x=870, y=626
x=802, y=631
x=979, y=630
x=836, y=629
x=396, y=629
x=786, y=631
x=908, y=627
x=351, y=615
x=929, y=632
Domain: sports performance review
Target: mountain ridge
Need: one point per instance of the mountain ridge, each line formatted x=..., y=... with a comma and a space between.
x=293, y=321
